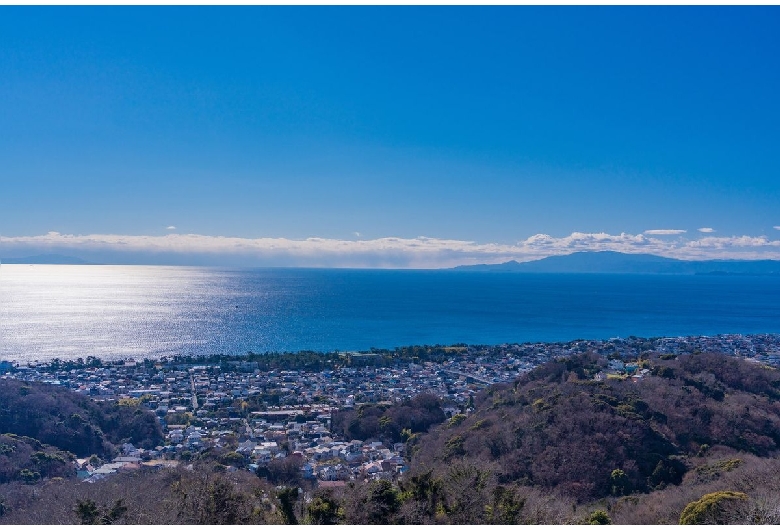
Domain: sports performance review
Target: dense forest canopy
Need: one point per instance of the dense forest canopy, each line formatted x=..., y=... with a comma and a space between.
x=561, y=429
x=389, y=423
x=73, y=422
x=26, y=459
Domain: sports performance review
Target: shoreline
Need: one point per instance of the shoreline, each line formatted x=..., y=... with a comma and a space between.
x=744, y=345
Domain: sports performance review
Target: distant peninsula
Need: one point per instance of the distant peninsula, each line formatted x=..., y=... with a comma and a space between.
x=621, y=263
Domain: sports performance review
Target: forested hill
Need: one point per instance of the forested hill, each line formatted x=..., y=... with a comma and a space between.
x=72, y=422
x=561, y=429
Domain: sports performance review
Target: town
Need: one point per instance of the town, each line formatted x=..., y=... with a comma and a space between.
x=261, y=415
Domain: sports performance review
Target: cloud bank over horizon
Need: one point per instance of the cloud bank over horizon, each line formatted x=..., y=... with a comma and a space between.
x=387, y=252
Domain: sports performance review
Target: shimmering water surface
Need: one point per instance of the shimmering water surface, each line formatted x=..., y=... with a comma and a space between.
x=67, y=311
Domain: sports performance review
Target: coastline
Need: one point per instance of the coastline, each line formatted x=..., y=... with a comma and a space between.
x=761, y=347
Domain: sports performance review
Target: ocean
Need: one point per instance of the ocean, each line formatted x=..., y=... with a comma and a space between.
x=71, y=311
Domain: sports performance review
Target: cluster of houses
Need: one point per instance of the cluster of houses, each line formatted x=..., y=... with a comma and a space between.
x=764, y=348
x=130, y=459
x=616, y=367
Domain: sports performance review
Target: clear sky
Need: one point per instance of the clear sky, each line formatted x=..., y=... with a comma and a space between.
x=389, y=136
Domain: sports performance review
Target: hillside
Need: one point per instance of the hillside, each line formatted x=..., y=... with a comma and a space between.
x=26, y=459
x=560, y=430
x=72, y=422
x=621, y=263
x=390, y=424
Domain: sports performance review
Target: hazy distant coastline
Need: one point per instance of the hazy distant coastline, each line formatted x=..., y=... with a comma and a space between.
x=605, y=262
x=620, y=263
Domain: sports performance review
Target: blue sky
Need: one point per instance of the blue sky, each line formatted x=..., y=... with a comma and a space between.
x=389, y=136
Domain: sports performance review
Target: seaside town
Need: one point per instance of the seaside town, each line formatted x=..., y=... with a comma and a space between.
x=263, y=415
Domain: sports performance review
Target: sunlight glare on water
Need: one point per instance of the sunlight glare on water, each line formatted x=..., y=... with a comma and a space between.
x=99, y=310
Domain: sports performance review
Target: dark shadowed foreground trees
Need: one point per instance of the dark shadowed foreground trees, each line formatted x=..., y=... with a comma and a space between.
x=464, y=494
x=168, y=496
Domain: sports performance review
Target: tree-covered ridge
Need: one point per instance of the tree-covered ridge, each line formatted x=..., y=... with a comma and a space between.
x=566, y=428
x=389, y=423
x=72, y=422
x=27, y=460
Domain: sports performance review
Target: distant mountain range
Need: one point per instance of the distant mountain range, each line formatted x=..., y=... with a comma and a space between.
x=620, y=263
x=46, y=259
x=607, y=262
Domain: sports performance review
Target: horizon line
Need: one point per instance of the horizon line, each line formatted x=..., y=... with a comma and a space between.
x=380, y=253
x=69, y=260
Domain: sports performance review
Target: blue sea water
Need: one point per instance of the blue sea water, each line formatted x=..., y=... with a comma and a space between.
x=65, y=311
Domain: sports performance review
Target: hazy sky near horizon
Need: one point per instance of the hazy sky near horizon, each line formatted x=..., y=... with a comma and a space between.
x=389, y=136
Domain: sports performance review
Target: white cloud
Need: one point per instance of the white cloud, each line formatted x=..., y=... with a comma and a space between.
x=776, y=227
x=388, y=252
x=706, y=230
x=664, y=232
x=357, y=234
x=171, y=228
